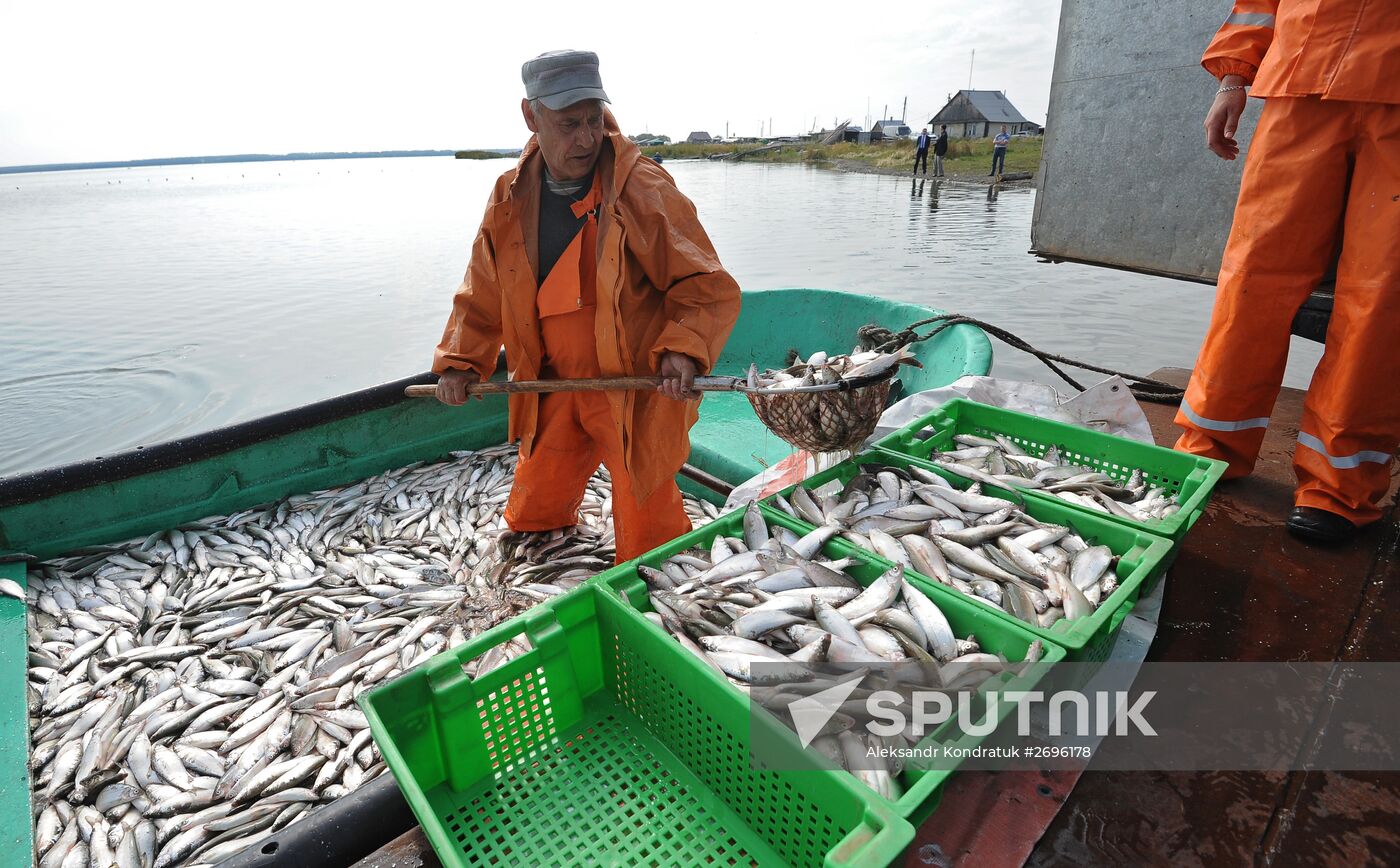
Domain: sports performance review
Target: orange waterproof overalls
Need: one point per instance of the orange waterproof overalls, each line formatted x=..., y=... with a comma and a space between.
x=575, y=431
x=1322, y=176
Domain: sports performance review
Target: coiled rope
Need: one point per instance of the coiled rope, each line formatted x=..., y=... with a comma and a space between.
x=877, y=337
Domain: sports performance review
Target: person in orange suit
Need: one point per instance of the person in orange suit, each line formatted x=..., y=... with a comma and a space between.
x=1322, y=178
x=589, y=262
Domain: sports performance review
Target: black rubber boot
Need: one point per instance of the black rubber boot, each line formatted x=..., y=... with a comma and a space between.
x=1319, y=525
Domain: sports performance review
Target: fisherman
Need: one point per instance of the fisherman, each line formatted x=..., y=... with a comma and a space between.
x=590, y=262
x=1322, y=176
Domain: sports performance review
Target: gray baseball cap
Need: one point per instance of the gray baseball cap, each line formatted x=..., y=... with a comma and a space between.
x=558, y=79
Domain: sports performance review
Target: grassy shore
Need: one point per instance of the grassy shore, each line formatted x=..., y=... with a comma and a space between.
x=970, y=158
x=483, y=155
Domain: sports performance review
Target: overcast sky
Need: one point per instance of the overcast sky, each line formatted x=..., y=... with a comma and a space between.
x=113, y=81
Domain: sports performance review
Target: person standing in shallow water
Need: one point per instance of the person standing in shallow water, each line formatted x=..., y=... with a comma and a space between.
x=921, y=151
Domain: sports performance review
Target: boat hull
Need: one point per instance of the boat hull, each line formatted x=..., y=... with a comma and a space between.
x=364, y=433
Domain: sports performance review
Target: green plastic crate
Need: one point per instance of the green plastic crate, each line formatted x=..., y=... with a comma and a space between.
x=922, y=788
x=606, y=745
x=1142, y=557
x=1191, y=477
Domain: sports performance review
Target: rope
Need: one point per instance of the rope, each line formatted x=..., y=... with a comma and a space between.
x=876, y=337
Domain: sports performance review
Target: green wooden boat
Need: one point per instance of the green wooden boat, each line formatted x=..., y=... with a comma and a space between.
x=344, y=439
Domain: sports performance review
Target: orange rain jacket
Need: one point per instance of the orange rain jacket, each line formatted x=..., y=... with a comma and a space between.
x=660, y=289
x=1336, y=49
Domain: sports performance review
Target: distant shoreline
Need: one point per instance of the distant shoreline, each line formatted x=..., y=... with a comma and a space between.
x=967, y=159
x=250, y=158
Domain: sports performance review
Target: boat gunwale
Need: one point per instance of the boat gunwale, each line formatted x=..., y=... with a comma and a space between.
x=39, y=484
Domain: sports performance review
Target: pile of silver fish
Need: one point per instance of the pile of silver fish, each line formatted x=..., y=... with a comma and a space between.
x=763, y=610
x=999, y=461
x=822, y=369
x=194, y=691
x=987, y=547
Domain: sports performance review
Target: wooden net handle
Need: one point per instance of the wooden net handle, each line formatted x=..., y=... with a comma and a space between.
x=600, y=384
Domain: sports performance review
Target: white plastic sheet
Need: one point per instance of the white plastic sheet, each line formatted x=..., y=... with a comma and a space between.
x=1108, y=406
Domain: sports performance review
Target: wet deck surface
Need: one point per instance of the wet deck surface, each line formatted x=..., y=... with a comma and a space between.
x=409, y=850
x=1241, y=589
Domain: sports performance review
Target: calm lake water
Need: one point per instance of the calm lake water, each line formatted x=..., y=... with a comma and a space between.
x=145, y=304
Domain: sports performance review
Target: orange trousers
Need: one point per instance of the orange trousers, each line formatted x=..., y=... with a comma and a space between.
x=575, y=432
x=1320, y=176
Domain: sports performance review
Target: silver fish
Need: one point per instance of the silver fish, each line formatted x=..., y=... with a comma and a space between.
x=177, y=673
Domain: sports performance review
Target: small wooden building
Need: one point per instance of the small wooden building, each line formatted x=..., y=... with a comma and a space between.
x=980, y=114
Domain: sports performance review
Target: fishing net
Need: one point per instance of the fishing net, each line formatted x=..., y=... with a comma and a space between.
x=838, y=418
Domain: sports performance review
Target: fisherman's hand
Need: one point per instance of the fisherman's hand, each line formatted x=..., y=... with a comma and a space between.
x=678, y=376
x=452, y=386
x=1223, y=119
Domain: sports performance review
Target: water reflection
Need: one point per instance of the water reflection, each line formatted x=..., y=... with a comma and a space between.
x=916, y=191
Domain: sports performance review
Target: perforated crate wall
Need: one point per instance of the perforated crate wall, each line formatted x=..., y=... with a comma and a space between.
x=1142, y=557
x=600, y=795
x=585, y=750
x=798, y=828
x=516, y=717
x=1191, y=478
x=1070, y=455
